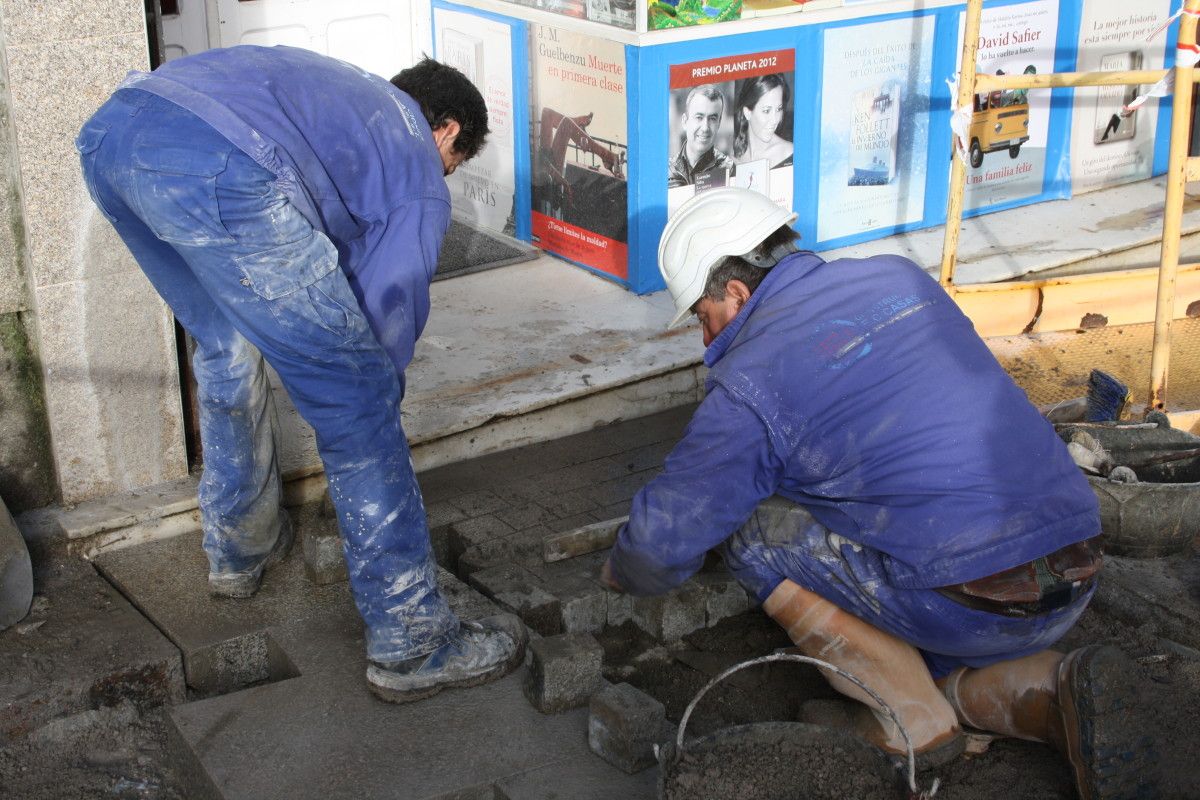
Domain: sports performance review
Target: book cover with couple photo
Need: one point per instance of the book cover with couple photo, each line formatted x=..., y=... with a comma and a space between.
x=731, y=122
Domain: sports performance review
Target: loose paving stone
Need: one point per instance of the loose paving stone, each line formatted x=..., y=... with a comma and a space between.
x=468, y=533
x=620, y=607
x=724, y=596
x=564, y=672
x=89, y=649
x=673, y=615
x=517, y=590
x=497, y=552
x=624, y=724
x=582, y=598
x=324, y=560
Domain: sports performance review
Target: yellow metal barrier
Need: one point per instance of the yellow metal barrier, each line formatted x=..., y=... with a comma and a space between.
x=1022, y=297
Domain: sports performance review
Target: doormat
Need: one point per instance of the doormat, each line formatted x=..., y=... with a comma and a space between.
x=468, y=249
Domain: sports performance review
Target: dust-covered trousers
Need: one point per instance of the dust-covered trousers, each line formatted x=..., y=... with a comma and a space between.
x=249, y=277
x=782, y=540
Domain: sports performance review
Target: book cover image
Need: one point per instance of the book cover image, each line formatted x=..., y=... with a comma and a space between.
x=874, y=135
x=484, y=188
x=1108, y=145
x=580, y=147
x=874, y=126
x=731, y=125
x=620, y=13
x=1009, y=130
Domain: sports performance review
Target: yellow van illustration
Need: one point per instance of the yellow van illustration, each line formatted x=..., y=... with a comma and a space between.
x=1000, y=122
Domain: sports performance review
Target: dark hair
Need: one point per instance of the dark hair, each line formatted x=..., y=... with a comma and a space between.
x=446, y=94
x=749, y=92
x=704, y=90
x=732, y=268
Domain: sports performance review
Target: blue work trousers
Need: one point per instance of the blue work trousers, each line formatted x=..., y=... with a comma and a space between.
x=250, y=278
x=782, y=540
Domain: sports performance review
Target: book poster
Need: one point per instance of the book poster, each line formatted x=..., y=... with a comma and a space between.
x=1009, y=130
x=484, y=188
x=1109, y=147
x=580, y=148
x=731, y=125
x=874, y=126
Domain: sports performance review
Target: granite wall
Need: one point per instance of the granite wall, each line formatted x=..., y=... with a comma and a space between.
x=101, y=339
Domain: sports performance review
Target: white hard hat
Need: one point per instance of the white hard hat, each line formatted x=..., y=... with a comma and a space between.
x=706, y=229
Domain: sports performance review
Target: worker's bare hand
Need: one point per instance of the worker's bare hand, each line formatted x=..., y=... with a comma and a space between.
x=606, y=577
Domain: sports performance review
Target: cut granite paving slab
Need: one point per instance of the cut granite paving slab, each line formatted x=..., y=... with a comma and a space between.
x=82, y=647
x=230, y=643
x=316, y=739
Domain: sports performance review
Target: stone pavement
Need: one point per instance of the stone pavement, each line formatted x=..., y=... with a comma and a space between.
x=278, y=705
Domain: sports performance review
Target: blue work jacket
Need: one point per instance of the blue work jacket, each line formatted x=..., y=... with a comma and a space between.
x=351, y=151
x=859, y=390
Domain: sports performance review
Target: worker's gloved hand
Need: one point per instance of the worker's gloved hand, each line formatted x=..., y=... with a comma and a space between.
x=606, y=577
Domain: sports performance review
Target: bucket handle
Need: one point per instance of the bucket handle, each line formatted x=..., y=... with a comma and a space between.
x=911, y=754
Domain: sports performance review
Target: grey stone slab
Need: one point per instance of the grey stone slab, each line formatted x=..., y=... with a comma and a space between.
x=724, y=596
x=291, y=626
x=582, y=599
x=581, y=779
x=519, y=591
x=315, y=738
x=468, y=533
x=82, y=647
x=673, y=615
x=624, y=724
x=564, y=672
x=128, y=509
x=324, y=559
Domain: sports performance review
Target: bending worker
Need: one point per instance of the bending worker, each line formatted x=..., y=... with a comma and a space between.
x=877, y=481
x=289, y=206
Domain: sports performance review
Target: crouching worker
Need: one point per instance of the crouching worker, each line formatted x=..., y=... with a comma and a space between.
x=290, y=207
x=876, y=480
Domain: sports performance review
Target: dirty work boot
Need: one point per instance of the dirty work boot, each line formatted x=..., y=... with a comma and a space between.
x=245, y=583
x=892, y=668
x=479, y=652
x=1080, y=704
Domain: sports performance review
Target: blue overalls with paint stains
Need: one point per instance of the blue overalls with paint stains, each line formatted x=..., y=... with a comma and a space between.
x=859, y=438
x=288, y=206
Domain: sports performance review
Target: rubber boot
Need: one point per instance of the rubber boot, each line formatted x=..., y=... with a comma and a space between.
x=892, y=668
x=1078, y=703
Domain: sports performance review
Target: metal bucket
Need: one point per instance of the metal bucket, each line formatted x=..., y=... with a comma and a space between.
x=782, y=760
x=1160, y=514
